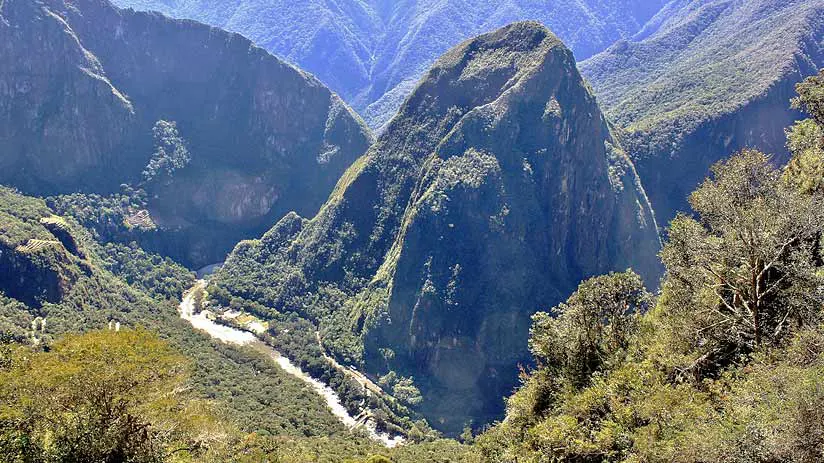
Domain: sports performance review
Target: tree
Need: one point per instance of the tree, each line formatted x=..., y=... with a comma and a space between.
x=170, y=155
x=728, y=365
x=577, y=345
x=377, y=459
x=805, y=139
x=198, y=298
x=577, y=338
x=467, y=435
x=743, y=273
x=104, y=396
x=805, y=171
x=405, y=391
x=388, y=380
x=810, y=97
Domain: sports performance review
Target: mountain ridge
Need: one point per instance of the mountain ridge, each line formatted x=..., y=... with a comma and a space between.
x=373, y=53
x=706, y=79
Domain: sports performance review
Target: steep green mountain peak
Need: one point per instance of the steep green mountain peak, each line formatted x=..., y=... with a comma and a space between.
x=493, y=191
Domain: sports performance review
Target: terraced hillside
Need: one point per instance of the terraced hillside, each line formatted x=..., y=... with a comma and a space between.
x=47, y=290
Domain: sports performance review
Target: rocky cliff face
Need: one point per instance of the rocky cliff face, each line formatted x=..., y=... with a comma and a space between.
x=83, y=83
x=494, y=191
x=704, y=80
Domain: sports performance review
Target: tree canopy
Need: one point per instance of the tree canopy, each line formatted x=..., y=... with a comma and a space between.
x=105, y=396
x=171, y=152
x=584, y=335
x=726, y=365
x=743, y=272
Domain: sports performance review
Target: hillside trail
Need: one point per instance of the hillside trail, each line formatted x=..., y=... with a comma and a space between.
x=359, y=377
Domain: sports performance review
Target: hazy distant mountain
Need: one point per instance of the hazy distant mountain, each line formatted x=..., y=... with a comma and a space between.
x=83, y=84
x=691, y=80
x=704, y=79
x=373, y=52
x=495, y=190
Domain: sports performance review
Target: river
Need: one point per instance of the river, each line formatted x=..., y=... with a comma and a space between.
x=238, y=337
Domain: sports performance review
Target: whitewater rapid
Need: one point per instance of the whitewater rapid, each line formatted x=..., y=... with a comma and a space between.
x=229, y=335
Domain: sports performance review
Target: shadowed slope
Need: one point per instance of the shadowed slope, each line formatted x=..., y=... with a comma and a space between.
x=703, y=80
x=83, y=84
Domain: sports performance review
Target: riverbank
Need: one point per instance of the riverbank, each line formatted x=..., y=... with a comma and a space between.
x=204, y=321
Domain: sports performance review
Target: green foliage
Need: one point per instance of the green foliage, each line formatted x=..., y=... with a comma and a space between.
x=768, y=411
x=805, y=139
x=102, y=396
x=805, y=170
x=404, y=390
x=297, y=338
x=20, y=219
x=592, y=329
x=747, y=264
x=157, y=276
x=763, y=412
x=128, y=285
x=106, y=217
x=170, y=153
x=810, y=97
x=388, y=380
x=257, y=448
x=15, y=320
x=400, y=258
x=725, y=368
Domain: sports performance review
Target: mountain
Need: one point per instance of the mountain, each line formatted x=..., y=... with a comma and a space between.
x=497, y=187
x=373, y=52
x=223, y=137
x=703, y=80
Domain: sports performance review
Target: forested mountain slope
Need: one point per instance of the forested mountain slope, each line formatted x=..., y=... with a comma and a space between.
x=726, y=364
x=111, y=300
x=54, y=280
x=223, y=137
x=704, y=79
x=495, y=190
x=373, y=52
